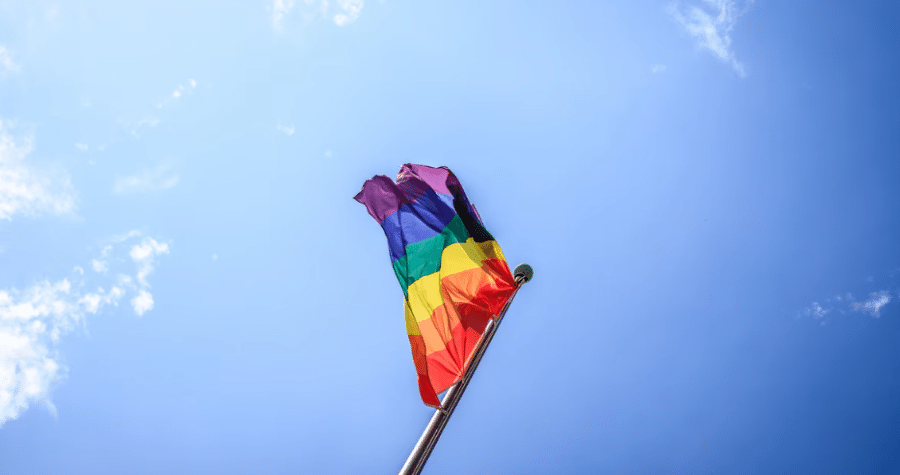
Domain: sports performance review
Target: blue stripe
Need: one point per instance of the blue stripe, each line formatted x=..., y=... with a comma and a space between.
x=414, y=222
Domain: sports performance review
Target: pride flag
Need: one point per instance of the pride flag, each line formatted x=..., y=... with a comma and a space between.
x=453, y=274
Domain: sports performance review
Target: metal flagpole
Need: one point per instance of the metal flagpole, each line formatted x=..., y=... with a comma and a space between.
x=422, y=450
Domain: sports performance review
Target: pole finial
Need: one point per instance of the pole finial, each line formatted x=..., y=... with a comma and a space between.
x=523, y=273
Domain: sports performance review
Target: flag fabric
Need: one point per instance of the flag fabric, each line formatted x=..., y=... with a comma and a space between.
x=452, y=272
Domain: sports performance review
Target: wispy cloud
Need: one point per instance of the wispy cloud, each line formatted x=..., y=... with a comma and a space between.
x=146, y=180
x=33, y=320
x=6, y=61
x=124, y=236
x=82, y=146
x=351, y=10
x=138, y=127
x=142, y=303
x=151, y=120
x=873, y=304
x=347, y=11
x=280, y=9
x=99, y=264
x=144, y=255
x=712, y=30
x=179, y=91
x=287, y=129
x=847, y=303
x=25, y=189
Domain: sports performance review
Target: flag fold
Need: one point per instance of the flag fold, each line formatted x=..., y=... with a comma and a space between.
x=452, y=272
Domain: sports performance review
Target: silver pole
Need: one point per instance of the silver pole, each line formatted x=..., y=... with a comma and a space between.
x=422, y=450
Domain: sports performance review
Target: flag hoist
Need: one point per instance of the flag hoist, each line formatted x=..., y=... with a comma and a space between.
x=455, y=280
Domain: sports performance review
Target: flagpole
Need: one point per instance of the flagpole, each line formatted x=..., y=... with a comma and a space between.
x=422, y=450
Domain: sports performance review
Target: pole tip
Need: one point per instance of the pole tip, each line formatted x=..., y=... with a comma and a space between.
x=523, y=273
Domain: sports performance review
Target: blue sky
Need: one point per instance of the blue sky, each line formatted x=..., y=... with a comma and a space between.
x=706, y=190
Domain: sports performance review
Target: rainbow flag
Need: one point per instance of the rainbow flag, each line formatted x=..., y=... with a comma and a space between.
x=453, y=274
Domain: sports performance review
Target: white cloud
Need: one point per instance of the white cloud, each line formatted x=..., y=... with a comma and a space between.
x=147, y=249
x=347, y=11
x=124, y=236
x=713, y=31
x=100, y=265
x=280, y=9
x=873, y=306
x=144, y=255
x=6, y=61
x=93, y=301
x=25, y=189
x=816, y=310
x=82, y=146
x=146, y=180
x=137, y=126
x=33, y=320
x=142, y=303
x=657, y=68
x=846, y=303
x=179, y=91
x=351, y=10
x=287, y=129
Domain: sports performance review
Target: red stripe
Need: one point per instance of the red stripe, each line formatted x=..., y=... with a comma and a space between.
x=471, y=298
x=426, y=389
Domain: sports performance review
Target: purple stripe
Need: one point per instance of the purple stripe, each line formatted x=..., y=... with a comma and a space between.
x=419, y=206
x=436, y=178
x=382, y=197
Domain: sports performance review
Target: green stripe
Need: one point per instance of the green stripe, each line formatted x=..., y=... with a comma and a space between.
x=424, y=257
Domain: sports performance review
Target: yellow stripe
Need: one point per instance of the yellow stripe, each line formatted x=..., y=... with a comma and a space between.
x=425, y=293
x=425, y=296
x=412, y=327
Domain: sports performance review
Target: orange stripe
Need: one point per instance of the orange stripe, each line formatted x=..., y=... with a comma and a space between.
x=442, y=342
x=424, y=295
x=471, y=295
x=450, y=334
